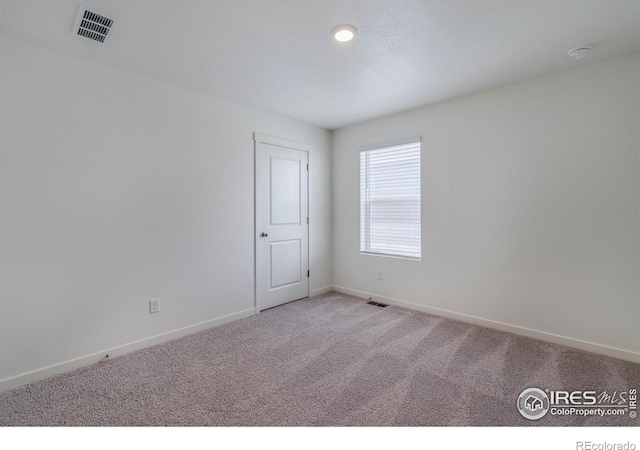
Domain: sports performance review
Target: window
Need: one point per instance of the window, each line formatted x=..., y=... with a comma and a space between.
x=390, y=200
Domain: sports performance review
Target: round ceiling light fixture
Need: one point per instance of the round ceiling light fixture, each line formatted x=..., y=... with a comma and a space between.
x=579, y=52
x=344, y=33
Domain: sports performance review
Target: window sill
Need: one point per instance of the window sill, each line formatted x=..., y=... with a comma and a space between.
x=384, y=255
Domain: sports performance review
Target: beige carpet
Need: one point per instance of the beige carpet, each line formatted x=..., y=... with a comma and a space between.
x=327, y=361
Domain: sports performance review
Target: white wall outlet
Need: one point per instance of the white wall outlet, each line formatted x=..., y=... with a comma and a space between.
x=154, y=306
x=380, y=275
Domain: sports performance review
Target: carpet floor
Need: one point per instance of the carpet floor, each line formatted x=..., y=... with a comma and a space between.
x=330, y=360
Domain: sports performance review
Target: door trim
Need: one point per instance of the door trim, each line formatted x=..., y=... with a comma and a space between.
x=260, y=138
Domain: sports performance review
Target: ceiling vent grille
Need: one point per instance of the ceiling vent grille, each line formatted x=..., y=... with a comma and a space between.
x=93, y=25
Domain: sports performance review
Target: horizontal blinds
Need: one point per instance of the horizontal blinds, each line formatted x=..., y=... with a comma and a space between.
x=390, y=200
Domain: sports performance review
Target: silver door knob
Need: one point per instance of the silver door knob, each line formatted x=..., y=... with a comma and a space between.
x=264, y=234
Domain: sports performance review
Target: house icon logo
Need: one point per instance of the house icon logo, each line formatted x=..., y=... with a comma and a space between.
x=533, y=403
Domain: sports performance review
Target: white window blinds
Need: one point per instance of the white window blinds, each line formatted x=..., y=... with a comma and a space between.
x=390, y=200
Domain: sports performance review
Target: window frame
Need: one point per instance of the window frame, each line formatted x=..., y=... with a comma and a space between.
x=365, y=205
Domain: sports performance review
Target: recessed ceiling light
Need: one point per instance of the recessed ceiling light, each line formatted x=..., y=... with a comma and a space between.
x=344, y=33
x=579, y=52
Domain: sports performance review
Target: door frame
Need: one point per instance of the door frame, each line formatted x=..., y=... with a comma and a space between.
x=260, y=138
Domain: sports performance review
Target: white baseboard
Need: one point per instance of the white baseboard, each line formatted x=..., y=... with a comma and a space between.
x=46, y=372
x=56, y=369
x=522, y=331
x=321, y=291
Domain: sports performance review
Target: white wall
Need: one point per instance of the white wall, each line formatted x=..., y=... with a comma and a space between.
x=530, y=208
x=116, y=189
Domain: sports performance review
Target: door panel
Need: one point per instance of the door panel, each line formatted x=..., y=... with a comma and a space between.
x=282, y=235
x=285, y=263
x=285, y=192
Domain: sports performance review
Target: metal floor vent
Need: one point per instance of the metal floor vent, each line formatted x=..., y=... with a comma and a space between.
x=381, y=305
x=92, y=25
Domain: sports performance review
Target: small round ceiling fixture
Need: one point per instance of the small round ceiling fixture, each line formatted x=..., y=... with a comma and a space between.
x=344, y=33
x=579, y=52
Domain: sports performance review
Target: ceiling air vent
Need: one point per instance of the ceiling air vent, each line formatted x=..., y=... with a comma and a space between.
x=93, y=25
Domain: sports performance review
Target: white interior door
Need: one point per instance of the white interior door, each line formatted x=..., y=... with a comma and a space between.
x=282, y=230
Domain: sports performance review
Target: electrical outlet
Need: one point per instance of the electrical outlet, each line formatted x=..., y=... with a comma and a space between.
x=380, y=275
x=154, y=306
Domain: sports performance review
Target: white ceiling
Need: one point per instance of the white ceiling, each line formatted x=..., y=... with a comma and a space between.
x=277, y=55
